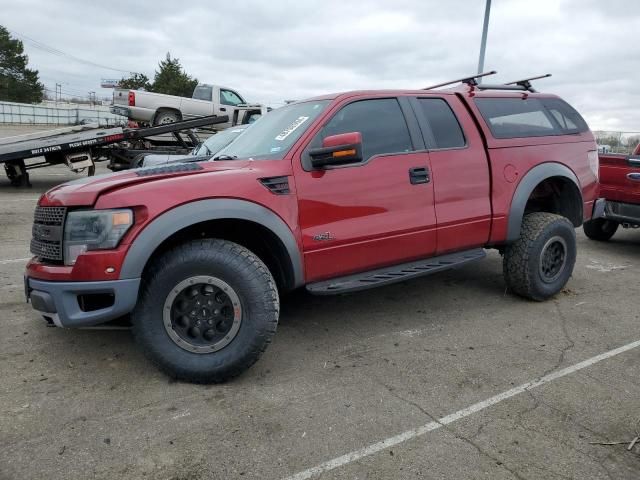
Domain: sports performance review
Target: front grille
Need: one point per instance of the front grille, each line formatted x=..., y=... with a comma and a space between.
x=45, y=250
x=46, y=241
x=49, y=215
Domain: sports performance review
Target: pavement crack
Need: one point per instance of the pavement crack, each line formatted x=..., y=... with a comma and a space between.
x=469, y=440
x=519, y=420
x=393, y=393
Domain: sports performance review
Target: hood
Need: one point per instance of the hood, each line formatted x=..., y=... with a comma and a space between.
x=149, y=160
x=85, y=191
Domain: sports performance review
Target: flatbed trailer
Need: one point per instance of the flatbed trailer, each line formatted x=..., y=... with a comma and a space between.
x=81, y=146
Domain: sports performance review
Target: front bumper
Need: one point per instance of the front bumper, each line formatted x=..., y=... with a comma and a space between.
x=60, y=301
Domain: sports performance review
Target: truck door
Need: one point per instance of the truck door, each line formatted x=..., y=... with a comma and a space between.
x=374, y=213
x=228, y=102
x=460, y=172
x=620, y=177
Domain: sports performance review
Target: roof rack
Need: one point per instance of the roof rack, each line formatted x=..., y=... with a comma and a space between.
x=523, y=85
x=526, y=82
x=471, y=81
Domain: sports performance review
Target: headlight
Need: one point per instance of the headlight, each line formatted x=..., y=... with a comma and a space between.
x=87, y=230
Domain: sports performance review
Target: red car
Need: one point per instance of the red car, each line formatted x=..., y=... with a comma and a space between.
x=620, y=185
x=336, y=194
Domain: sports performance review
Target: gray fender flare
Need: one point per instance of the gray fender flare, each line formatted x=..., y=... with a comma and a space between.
x=189, y=214
x=526, y=186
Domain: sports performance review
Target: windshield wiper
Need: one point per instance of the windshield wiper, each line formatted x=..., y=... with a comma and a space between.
x=225, y=157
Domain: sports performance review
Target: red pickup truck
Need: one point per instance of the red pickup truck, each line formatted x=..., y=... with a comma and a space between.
x=336, y=194
x=620, y=186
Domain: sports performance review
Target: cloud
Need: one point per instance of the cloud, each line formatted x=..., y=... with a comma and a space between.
x=272, y=51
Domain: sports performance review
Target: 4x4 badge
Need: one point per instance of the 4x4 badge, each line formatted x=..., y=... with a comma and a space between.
x=323, y=237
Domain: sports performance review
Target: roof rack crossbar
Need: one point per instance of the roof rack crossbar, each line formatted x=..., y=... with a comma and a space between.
x=471, y=81
x=526, y=82
x=489, y=86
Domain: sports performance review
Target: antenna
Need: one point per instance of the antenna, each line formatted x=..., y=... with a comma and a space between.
x=526, y=82
x=471, y=81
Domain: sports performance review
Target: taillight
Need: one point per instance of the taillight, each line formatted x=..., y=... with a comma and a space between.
x=594, y=163
x=132, y=98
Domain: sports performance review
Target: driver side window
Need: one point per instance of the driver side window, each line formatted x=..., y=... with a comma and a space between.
x=229, y=97
x=381, y=123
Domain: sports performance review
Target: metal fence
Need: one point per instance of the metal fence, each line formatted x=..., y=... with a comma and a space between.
x=57, y=114
x=616, y=142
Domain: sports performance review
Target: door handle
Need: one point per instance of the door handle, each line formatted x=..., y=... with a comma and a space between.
x=419, y=175
x=222, y=109
x=634, y=160
x=634, y=177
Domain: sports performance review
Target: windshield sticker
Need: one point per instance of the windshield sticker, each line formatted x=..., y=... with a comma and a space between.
x=291, y=128
x=275, y=149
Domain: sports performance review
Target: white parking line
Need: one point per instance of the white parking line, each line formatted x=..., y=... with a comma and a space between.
x=14, y=260
x=30, y=199
x=453, y=417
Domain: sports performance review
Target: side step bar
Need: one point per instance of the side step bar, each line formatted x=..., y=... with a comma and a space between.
x=395, y=273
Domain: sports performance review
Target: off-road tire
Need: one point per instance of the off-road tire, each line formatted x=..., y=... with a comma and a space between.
x=600, y=229
x=522, y=258
x=164, y=117
x=233, y=264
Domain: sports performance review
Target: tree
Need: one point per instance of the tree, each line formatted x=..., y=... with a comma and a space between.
x=172, y=79
x=17, y=82
x=135, y=82
x=633, y=141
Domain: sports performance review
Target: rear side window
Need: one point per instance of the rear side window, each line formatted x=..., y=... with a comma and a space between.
x=516, y=117
x=567, y=117
x=381, y=123
x=444, y=124
x=202, y=92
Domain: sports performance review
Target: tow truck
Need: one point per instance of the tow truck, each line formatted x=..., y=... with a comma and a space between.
x=80, y=147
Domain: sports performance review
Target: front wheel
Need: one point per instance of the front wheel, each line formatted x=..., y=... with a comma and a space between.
x=539, y=264
x=600, y=229
x=207, y=310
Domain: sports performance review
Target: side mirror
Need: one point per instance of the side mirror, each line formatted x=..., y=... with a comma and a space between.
x=337, y=150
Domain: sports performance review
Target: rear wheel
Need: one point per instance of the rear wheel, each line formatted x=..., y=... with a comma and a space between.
x=600, y=229
x=207, y=311
x=539, y=264
x=166, y=116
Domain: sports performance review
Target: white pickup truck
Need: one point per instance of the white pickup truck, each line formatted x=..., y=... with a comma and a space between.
x=158, y=108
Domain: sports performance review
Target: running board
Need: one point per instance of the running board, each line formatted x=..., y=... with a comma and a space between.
x=395, y=273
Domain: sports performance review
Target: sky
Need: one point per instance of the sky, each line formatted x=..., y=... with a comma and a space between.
x=276, y=50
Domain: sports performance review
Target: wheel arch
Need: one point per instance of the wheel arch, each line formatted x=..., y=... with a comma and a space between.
x=189, y=217
x=546, y=174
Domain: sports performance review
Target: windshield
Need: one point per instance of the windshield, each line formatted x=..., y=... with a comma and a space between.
x=273, y=134
x=215, y=143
